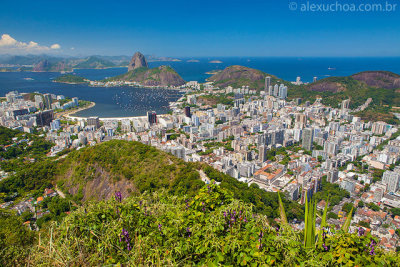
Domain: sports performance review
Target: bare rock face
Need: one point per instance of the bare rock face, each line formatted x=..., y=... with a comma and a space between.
x=379, y=79
x=43, y=65
x=138, y=60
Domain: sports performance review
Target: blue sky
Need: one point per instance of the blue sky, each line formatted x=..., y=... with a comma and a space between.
x=193, y=28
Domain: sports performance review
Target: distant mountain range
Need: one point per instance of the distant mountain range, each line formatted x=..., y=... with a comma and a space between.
x=94, y=62
x=57, y=64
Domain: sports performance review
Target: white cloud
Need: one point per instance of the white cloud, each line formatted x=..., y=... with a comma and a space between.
x=55, y=46
x=10, y=45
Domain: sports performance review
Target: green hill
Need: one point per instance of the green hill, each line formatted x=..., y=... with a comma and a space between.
x=95, y=173
x=358, y=87
x=70, y=78
x=159, y=76
x=237, y=76
x=94, y=62
x=134, y=168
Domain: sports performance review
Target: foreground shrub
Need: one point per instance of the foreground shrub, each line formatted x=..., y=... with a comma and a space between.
x=211, y=228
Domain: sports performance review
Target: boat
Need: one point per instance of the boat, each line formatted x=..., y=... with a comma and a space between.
x=331, y=68
x=28, y=79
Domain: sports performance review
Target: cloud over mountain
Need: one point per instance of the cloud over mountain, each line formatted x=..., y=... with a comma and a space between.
x=9, y=45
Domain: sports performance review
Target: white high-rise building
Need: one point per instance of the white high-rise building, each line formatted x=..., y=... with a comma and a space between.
x=282, y=91
x=276, y=90
x=391, y=179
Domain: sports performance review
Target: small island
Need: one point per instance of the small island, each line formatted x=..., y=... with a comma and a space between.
x=215, y=61
x=71, y=79
x=213, y=72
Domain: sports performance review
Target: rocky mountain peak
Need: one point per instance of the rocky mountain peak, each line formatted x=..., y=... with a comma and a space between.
x=138, y=60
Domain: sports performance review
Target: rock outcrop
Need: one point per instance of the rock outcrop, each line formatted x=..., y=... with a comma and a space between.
x=138, y=71
x=379, y=79
x=160, y=76
x=46, y=65
x=138, y=60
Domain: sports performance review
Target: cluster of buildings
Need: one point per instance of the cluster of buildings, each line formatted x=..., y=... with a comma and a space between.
x=26, y=111
x=260, y=139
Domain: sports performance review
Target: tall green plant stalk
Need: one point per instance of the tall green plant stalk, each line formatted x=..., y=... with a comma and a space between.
x=346, y=225
x=282, y=211
x=309, y=229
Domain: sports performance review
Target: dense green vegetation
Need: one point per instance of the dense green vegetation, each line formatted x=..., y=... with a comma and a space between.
x=6, y=135
x=70, y=78
x=143, y=168
x=14, y=154
x=333, y=192
x=213, y=100
x=15, y=239
x=378, y=113
x=358, y=91
x=29, y=178
x=211, y=228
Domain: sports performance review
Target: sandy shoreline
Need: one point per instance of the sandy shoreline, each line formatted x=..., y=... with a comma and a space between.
x=114, y=118
x=67, y=114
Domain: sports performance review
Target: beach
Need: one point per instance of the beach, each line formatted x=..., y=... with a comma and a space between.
x=68, y=113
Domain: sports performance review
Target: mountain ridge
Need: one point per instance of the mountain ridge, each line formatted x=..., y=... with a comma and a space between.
x=94, y=62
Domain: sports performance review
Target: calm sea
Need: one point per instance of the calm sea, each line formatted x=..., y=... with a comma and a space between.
x=129, y=101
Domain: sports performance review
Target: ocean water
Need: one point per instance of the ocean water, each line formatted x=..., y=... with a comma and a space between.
x=130, y=101
x=286, y=68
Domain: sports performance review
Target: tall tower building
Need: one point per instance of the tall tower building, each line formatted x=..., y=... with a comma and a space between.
x=187, y=112
x=276, y=90
x=262, y=153
x=282, y=91
x=308, y=137
x=47, y=101
x=391, y=179
x=267, y=83
x=271, y=90
x=93, y=121
x=301, y=120
x=152, y=117
x=345, y=104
